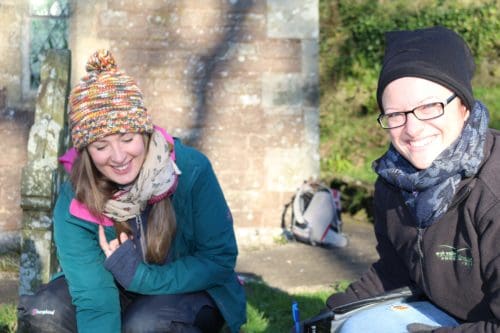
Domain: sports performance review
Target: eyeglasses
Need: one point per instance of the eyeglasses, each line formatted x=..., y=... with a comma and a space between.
x=422, y=112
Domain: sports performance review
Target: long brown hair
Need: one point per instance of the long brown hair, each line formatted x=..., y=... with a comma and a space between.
x=93, y=189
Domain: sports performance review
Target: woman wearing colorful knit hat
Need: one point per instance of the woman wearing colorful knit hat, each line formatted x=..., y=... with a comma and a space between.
x=143, y=233
x=437, y=196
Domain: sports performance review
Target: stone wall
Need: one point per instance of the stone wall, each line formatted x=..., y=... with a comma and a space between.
x=15, y=120
x=14, y=129
x=236, y=79
x=13, y=18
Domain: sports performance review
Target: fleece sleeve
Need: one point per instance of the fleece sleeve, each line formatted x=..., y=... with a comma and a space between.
x=91, y=286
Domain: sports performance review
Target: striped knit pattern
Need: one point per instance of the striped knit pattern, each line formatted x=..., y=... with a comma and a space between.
x=106, y=101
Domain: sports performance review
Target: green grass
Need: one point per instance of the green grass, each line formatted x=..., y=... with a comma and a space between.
x=490, y=96
x=268, y=309
x=9, y=262
x=8, y=321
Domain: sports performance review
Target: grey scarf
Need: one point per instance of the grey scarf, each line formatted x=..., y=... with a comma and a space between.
x=429, y=192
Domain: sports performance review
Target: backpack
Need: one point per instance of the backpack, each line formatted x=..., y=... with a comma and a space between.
x=315, y=216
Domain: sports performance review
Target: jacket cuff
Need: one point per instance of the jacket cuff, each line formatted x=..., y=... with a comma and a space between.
x=339, y=299
x=123, y=263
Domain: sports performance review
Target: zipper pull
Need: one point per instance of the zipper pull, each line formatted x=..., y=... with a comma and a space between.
x=419, y=243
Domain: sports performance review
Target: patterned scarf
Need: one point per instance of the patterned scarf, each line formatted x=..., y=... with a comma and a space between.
x=157, y=180
x=429, y=192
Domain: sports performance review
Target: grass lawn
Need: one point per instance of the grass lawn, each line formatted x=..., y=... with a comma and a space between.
x=268, y=309
x=8, y=318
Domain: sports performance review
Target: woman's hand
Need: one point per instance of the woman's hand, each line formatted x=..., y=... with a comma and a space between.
x=109, y=248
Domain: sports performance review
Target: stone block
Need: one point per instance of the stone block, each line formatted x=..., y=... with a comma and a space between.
x=311, y=127
x=281, y=66
x=293, y=19
x=245, y=28
x=279, y=48
x=52, y=95
x=201, y=5
x=36, y=264
x=141, y=6
x=282, y=90
x=10, y=198
x=14, y=128
x=14, y=90
x=3, y=98
x=10, y=61
x=239, y=51
x=309, y=51
x=250, y=179
x=310, y=72
x=244, y=207
x=9, y=13
x=287, y=167
x=192, y=19
x=244, y=6
x=37, y=186
x=10, y=241
x=44, y=140
x=37, y=219
x=116, y=19
x=240, y=122
x=283, y=131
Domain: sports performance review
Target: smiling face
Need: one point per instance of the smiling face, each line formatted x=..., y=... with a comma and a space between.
x=119, y=157
x=421, y=141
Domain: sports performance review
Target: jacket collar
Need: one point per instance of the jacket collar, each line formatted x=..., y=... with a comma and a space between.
x=80, y=210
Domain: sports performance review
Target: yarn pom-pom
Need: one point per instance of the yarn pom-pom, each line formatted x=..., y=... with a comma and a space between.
x=101, y=61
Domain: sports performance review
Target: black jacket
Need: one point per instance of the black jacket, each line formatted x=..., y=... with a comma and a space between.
x=455, y=262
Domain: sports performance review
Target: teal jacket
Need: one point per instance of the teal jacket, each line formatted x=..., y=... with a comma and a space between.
x=203, y=254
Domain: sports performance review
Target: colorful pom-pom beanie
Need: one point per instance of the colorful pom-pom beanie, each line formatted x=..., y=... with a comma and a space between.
x=105, y=101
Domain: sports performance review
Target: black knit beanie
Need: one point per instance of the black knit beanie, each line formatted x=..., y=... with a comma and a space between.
x=437, y=54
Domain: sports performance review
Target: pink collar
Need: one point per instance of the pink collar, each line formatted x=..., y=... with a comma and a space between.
x=78, y=209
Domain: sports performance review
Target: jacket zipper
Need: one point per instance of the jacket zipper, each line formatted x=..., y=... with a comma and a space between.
x=421, y=255
x=140, y=232
x=464, y=193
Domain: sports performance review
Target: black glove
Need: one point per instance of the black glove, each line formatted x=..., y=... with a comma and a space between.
x=420, y=328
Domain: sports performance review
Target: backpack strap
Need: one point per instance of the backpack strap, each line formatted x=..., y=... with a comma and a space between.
x=283, y=214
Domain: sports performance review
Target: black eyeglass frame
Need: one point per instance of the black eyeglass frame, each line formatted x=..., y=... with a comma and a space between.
x=443, y=104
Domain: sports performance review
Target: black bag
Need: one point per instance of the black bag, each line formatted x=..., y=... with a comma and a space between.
x=45, y=310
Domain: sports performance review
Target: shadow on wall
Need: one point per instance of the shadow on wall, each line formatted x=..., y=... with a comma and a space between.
x=31, y=264
x=182, y=67
x=210, y=63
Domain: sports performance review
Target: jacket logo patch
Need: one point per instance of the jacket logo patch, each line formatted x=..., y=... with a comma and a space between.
x=38, y=312
x=449, y=253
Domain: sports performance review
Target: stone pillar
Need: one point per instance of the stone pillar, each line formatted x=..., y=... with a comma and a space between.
x=41, y=175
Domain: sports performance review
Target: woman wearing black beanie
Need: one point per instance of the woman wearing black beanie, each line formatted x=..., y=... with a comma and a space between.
x=437, y=196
